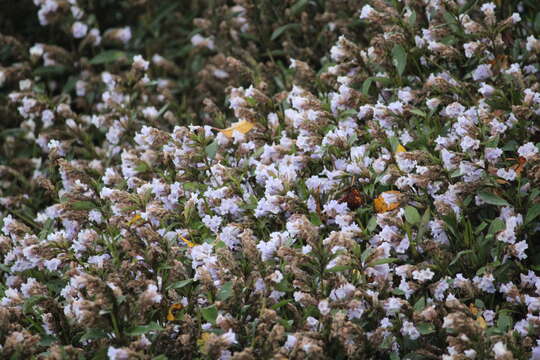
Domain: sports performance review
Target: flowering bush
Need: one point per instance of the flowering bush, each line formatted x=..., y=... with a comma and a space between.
x=270, y=179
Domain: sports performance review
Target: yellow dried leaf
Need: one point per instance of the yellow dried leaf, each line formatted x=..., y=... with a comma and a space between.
x=205, y=336
x=241, y=126
x=134, y=219
x=400, y=148
x=473, y=309
x=381, y=206
x=188, y=243
x=480, y=320
x=170, y=315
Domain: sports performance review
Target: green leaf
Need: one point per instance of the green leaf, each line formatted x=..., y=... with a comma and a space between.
x=372, y=223
x=412, y=19
x=83, y=205
x=299, y=6
x=48, y=340
x=93, y=334
x=459, y=255
x=30, y=302
x=425, y=328
x=280, y=30
x=420, y=304
x=366, y=254
x=412, y=215
x=211, y=149
x=532, y=214
x=537, y=23
x=108, y=56
x=496, y=226
x=210, y=313
x=49, y=70
x=280, y=304
x=315, y=219
x=226, y=291
x=504, y=322
x=382, y=261
x=143, y=329
x=399, y=58
x=160, y=357
x=418, y=112
x=423, y=225
x=366, y=85
x=492, y=199
x=179, y=284
x=339, y=268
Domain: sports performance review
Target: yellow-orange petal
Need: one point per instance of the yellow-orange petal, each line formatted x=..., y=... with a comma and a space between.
x=400, y=148
x=381, y=206
x=188, y=243
x=134, y=219
x=170, y=315
x=480, y=320
x=241, y=126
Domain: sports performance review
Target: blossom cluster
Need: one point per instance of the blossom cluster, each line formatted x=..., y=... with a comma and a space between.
x=381, y=204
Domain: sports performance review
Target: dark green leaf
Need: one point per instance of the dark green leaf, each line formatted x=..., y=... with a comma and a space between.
x=143, y=329
x=537, y=23
x=399, y=58
x=211, y=149
x=108, y=56
x=210, y=313
x=83, y=205
x=425, y=328
x=412, y=215
x=382, y=261
x=93, y=333
x=532, y=213
x=280, y=30
x=420, y=304
x=49, y=70
x=299, y=6
x=492, y=199
x=496, y=226
x=179, y=284
x=226, y=291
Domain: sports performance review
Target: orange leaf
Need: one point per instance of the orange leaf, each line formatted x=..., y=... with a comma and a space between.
x=400, y=148
x=134, y=219
x=480, y=320
x=518, y=168
x=241, y=126
x=188, y=243
x=381, y=206
x=170, y=315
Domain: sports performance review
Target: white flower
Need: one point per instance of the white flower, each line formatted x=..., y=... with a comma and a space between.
x=528, y=150
x=423, y=275
x=153, y=294
x=324, y=307
x=276, y=276
x=508, y=175
x=482, y=72
x=408, y=329
x=500, y=350
x=117, y=354
x=468, y=143
x=229, y=337
x=139, y=63
x=79, y=29
x=366, y=12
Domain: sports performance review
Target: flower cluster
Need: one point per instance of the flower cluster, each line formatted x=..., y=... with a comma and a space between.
x=380, y=201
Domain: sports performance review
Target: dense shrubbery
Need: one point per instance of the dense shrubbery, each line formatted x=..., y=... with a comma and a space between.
x=260, y=179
